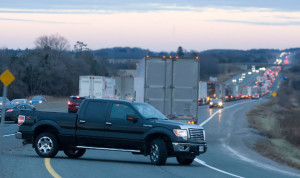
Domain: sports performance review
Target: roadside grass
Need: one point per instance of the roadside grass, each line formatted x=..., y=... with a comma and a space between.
x=281, y=127
x=280, y=150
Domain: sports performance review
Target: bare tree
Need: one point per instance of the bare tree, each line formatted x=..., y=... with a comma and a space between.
x=54, y=42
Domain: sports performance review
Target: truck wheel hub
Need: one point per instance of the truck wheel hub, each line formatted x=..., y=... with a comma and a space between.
x=45, y=144
x=154, y=152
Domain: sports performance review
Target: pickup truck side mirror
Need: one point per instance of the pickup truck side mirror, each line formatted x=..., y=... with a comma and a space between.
x=132, y=118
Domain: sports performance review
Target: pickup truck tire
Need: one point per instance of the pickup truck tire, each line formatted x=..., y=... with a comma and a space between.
x=74, y=153
x=46, y=145
x=185, y=160
x=158, y=152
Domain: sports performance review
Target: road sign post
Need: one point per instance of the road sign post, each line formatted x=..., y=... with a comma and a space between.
x=6, y=78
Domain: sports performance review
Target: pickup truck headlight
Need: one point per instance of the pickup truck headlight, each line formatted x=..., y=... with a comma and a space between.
x=181, y=133
x=204, y=136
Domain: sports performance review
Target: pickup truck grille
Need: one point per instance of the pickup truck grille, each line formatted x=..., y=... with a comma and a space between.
x=196, y=134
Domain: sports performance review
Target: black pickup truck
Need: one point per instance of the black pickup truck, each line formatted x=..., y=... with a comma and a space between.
x=112, y=125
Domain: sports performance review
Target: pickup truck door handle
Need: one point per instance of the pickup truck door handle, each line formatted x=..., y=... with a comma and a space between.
x=108, y=123
x=82, y=121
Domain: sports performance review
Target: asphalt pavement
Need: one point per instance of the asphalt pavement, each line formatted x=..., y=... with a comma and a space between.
x=229, y=154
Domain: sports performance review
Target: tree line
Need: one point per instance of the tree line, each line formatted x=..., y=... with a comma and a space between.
x=51, y=68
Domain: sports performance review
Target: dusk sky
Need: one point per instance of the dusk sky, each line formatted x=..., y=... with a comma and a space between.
x=152, y=24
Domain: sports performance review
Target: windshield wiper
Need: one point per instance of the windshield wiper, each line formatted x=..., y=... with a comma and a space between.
x=157, y=118
x=152, y=118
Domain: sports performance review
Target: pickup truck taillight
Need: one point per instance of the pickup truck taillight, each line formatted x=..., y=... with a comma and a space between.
x=21, y=119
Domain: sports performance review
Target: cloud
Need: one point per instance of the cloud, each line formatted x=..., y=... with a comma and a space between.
x=288, y=23
x=35, y=21
x=115, y=6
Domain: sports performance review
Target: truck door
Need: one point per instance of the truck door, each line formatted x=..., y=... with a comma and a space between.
x=91, y=124
x=122, y=133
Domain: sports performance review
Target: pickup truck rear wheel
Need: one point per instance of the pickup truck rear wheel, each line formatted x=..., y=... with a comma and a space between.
x=184, y=160
x=46, y=145
x=74, y=153
x=158, y=152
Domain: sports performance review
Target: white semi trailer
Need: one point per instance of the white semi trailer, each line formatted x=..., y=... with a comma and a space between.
x=171, y=85
x=96, y=87
x=202, y=93
x=124, y=88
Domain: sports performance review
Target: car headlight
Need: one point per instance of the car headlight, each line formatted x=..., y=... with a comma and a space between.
x=180, y=133
x=211, y=103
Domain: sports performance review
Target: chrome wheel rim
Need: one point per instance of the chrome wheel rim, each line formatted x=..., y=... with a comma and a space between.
x=154, y=152
x=45, y=145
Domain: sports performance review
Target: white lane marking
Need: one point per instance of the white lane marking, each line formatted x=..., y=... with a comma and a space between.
x=204, y=122
x=216, y=169
x=208, y=119
x=8, y=135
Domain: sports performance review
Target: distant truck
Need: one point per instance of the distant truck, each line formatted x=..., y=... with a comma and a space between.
x=124, y=89
x=228, y=92
x=202, y=93
x=170, y=84
x=211, y=90
x=220, y=92
x=96, y=87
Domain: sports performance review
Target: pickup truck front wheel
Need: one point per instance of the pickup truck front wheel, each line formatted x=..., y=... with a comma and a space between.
x=46, y=145
x=74, y=153
x=158, y=152
x=184, y=160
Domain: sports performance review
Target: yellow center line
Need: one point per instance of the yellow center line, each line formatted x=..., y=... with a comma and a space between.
x=50, y=169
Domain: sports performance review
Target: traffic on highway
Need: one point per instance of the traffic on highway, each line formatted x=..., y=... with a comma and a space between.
x=203, y=130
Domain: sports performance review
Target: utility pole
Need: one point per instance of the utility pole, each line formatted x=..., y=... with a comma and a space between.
x=6, y=78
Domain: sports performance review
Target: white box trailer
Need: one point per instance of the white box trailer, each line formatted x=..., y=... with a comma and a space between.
x=202, y=93
x=171, y=85
x=124, y=88
x=220, y=91
x=96, y=87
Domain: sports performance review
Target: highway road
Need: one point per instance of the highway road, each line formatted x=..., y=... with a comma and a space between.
x=229, y=153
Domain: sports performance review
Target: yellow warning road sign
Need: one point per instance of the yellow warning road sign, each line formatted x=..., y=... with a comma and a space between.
x=7, y=77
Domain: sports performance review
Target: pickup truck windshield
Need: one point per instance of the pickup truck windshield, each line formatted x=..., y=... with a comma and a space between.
x=148, y=111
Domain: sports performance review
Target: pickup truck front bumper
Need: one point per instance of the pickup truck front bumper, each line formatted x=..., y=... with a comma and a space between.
x=189, y=148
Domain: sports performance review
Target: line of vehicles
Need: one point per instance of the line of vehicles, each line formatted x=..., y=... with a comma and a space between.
x=210, y=91
x=172, y=86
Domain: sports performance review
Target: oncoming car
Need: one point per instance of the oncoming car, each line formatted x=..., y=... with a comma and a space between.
x=19, y=101
x=2, y=99
x=216, y=103
x=37, y=99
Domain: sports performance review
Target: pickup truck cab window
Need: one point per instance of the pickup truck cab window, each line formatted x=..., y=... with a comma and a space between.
x=96, y=109
x=120, y=111
x=148, y=111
